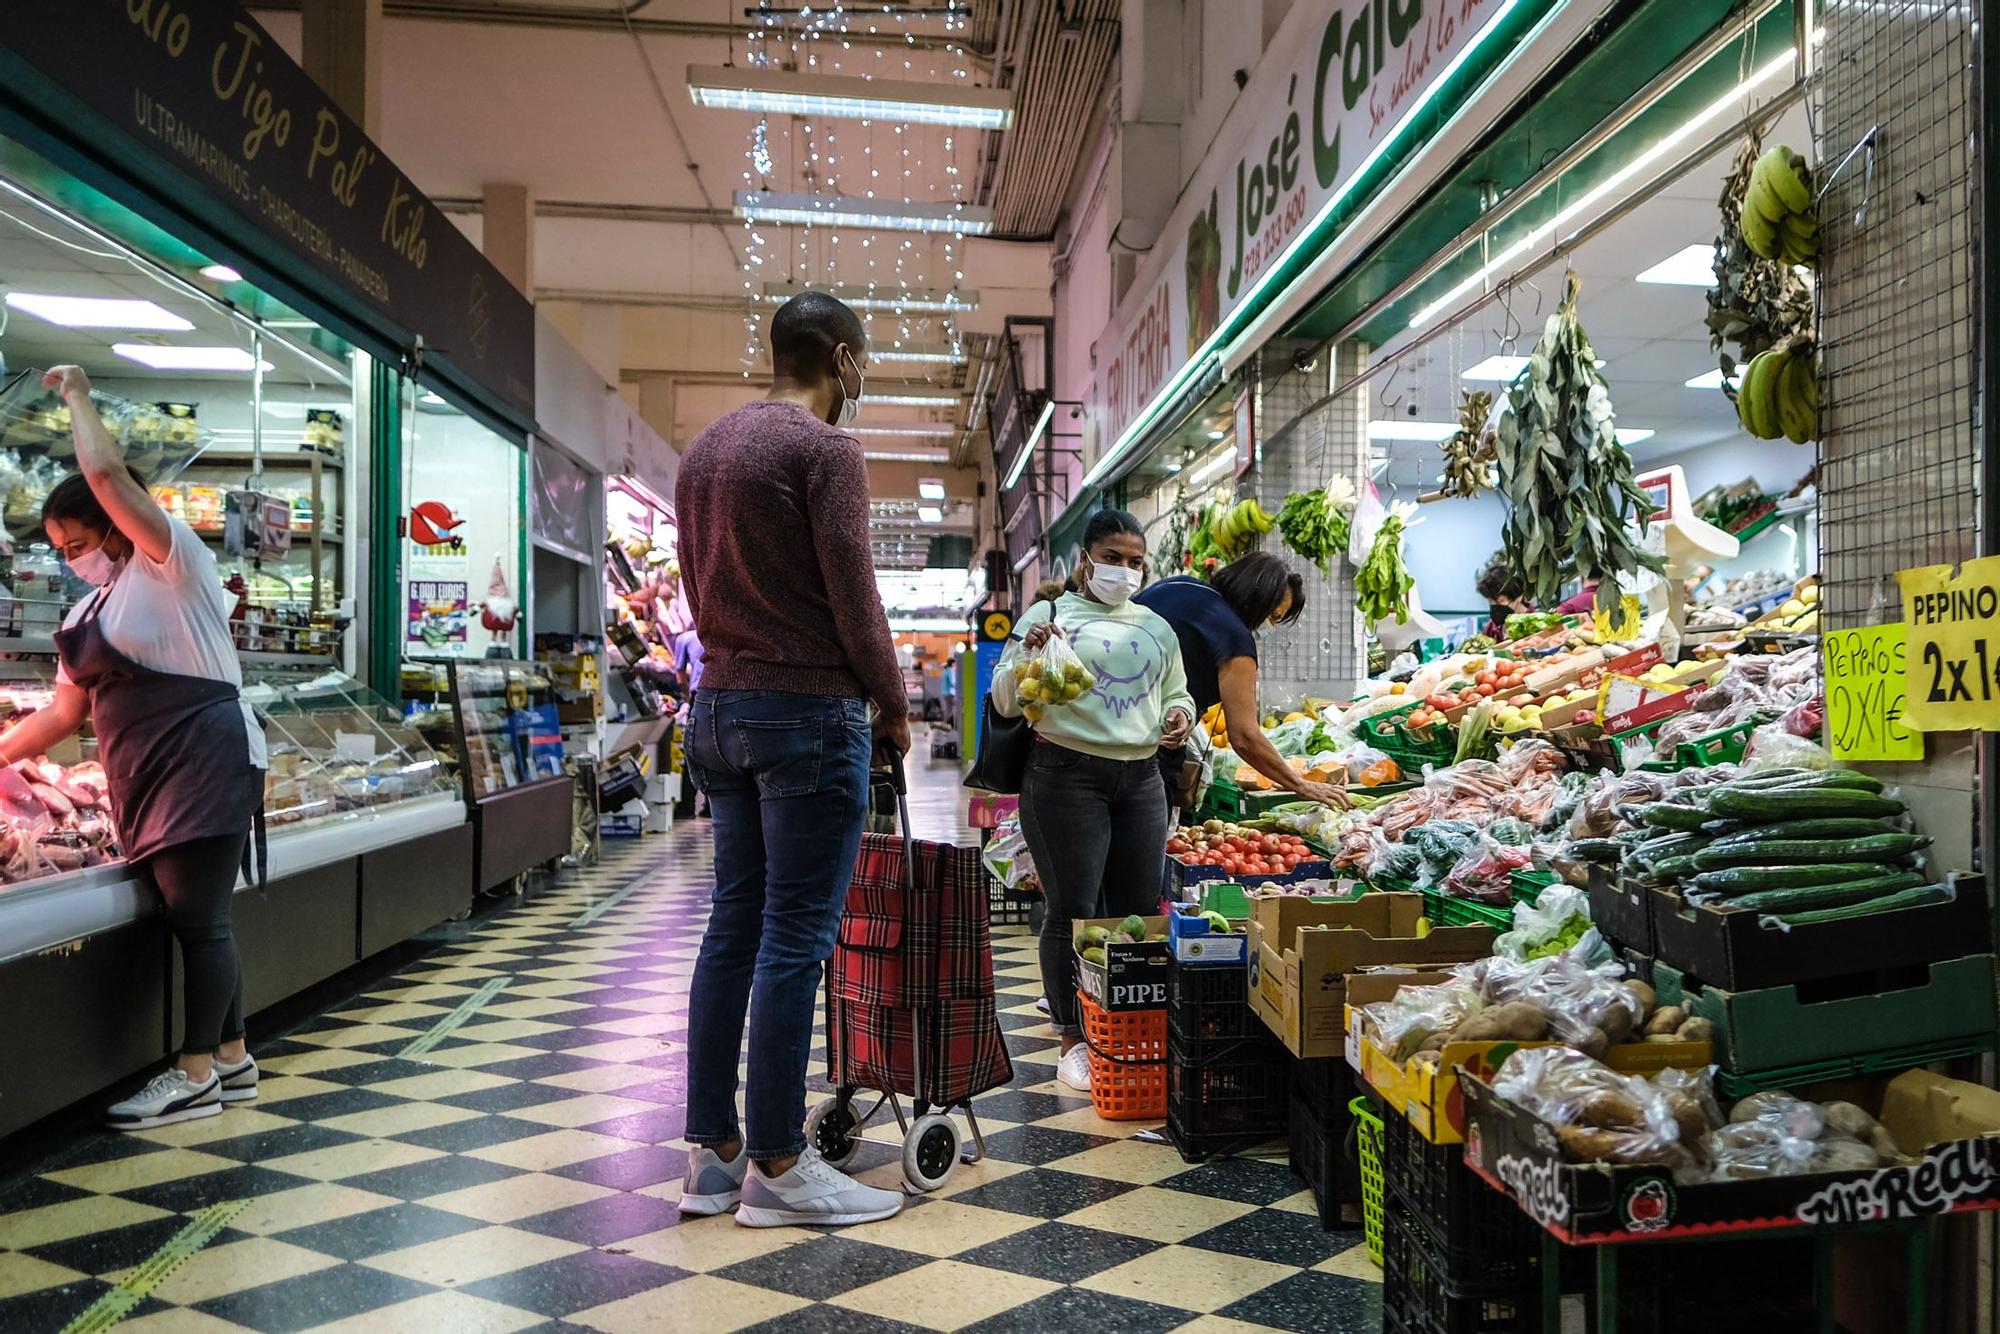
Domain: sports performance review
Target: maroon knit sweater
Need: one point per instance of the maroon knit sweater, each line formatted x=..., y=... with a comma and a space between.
x=775, y=562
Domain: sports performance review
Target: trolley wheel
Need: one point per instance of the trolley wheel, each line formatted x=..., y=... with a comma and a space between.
x=830, y=1129
x=930, y=1151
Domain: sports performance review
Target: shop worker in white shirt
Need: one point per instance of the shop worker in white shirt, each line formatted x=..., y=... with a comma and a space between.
x=148, y=659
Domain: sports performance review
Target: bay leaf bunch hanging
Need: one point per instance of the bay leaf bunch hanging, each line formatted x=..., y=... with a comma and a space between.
x=1571, y=499
x=1467, y=452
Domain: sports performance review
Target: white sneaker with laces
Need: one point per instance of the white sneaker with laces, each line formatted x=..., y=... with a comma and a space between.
x=712, y=1186
x=812, y=1192
x=239, y=1082
x=1074, y=1068
x=168, y=1098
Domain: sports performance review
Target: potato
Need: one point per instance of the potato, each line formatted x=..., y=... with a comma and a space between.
x=1649, y=1000
x=1517, y=1021
x=1885, y=1144
x=1689, y=1118
x=1848, y=1119
x=1618, y=1023
x=1591, y=1145
x=1608, y=1109
x=1665, y=1020
x=1696, y=1029
x=1842, y=1155
x=1594, y=1044
x=1661, y=1037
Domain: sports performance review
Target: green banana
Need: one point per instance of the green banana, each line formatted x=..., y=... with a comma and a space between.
x=1778, y=171
x=1759, y=232
x=1753, y=397
x=1794, y=413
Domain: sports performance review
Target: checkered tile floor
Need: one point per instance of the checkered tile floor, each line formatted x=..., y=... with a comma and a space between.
x=522, y=1173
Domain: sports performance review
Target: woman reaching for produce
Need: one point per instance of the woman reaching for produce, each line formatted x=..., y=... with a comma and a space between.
x=148, y=659
x=1090, y=800
x=1217, y=624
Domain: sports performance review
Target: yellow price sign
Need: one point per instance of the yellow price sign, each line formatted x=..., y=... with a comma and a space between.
x=1951, y=669
x=1624, y=628
x=1865, y=695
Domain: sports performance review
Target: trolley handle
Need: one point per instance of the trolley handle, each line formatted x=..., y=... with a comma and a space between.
x=899, y=780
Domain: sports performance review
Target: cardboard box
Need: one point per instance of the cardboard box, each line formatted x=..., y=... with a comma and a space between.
x=1368, y=988
x=1590, y=1203
x=1195, y=941
x=1132, y=977
x=1302, y=951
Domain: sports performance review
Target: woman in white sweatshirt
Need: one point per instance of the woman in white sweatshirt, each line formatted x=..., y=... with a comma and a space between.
x=1091, y=805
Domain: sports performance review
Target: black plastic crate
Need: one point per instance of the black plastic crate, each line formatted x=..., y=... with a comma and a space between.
x=1420, y=1297
x=1326, y=1083
x=1210, y=1002
x=1477, y=1235
x=1322, y=1152
x=1006, y=907
x=1224, y=1096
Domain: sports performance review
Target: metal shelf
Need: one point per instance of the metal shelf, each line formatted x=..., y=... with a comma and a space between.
x=303, y=458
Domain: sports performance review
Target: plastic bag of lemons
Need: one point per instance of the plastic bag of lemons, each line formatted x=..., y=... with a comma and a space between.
x=1051, y=676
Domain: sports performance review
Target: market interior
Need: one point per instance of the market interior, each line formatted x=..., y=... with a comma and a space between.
x=1642, y=974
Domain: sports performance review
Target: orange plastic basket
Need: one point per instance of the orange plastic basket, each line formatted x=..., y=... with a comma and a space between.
x=1128, y=1061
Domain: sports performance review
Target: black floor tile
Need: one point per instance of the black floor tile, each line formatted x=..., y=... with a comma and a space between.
x=30, y=1192
x=1246, y=1180
x=1060, y=1252
x=823, y=1268
x=507, y=1097
x=474, y=1132
x=268, y=1144
x=1019, y=1105
x=198, y=1192
x=1036, y=1145
x=827, y=1320
x=651, y=1127
x=630, y=1170
x=575, y=1282
x=54, y=1308
x=433, y=1176
x=1277, y=1235
x=604, y=1221
x=1079, y=1309
x=334, y=1102
x=379, y=1231
x=364, y=1074
x=544, y=1065
x=1318, y=1303
x=1043, y=1193
x=313, y=1299
x=117, y=1248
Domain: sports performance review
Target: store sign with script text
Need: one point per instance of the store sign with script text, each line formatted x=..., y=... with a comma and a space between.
x=201, y=87
x=1865, y=692
x=1951, y=668
x=1334, y=82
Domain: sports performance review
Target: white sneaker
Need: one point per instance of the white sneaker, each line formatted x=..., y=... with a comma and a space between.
x=169, y=1097
x=712, y=1185
x=1074, y=1068
x=239, y=1082
x=1042, y=1004
x=812, y=1192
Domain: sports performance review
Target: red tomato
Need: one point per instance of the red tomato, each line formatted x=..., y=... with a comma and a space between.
x=1231, y=865
x=1186, y=858
x=1487, y=677
x=1177, y=845
x=1272, y=843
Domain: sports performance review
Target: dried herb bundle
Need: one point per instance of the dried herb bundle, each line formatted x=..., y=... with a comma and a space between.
x=1568, y=482
x=1465, y=455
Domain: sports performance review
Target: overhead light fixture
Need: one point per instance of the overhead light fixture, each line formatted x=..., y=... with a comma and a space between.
x=930, y=514
x=189, y=358
x=928, y=456
x=933, y=429
x=221, y=273
x=1632, y=435
x=798, y=93
x=1729, y=103
x=941, y=356
x=912, y=400
x=1426, y=432
x=434, y=400
x=1706, y=380
x=866, y=298
x=98, y=312
x=1693, y=266
x=771, y=206
x=1028, y=450
x=1217, y=435
x=1027, y=559
x=930, y=488
x=1211, y=468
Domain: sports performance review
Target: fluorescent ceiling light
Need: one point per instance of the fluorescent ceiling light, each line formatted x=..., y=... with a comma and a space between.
x=221, y=273
x=189, y=358
x=1027, y=559
x=1729, y=103
x=1028, y=450
x=432, y=399
x=1632, y=435
x=879, y=298
x=930, y=514
x=1211, y=468
x=929, y=456
x=913, y=400
x=771, y=206
x=1691, y=267
x=1217, y=435
x=919, y=625
x=930, y=488
x=1706, y=380
x=1427, y=432
x=939, y=356
x=797, y=93
x=934, y=429
x=98, y=312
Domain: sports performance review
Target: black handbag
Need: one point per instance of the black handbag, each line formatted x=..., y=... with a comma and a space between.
x=1004, y=746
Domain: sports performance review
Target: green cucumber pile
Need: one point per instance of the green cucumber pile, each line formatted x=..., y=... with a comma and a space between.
x=1797, y=846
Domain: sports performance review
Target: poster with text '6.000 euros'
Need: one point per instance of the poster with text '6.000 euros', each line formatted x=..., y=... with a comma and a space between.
x=1951, y=667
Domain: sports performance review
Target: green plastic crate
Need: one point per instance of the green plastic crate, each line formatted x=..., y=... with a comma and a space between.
x=1732, y=1086
x=1226, y=801
x=1529, y=884
x=1385, y=732
x=1449, y=910
x=1705, y=752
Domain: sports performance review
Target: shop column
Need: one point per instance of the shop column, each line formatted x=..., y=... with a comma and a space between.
x=507, y=233
x=341, y=48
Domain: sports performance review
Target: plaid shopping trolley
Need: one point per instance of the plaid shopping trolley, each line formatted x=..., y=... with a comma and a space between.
x=910, y=1002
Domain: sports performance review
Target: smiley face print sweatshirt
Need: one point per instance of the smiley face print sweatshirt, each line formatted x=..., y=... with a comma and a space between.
x=1136, y=658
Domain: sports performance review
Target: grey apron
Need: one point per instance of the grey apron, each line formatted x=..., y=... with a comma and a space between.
x=175, y=753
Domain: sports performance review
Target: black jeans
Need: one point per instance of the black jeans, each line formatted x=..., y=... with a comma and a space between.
x=197, y=881
x=1097, y=830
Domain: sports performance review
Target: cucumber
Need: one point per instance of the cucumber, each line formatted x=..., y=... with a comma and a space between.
x=1648, y=854
x=1838, y=826
x=1735, y=880
x=1835, y=895
x=1667, y=815
x=1602, y=850
x=1810, y=778
x=1775, y=804
x=1786, y=851
x=1908, y=898
x=1673, y=868
x=1720, y=828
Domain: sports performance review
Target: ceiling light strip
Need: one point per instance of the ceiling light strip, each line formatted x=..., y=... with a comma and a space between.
x=1028, y=450
x=781, y=209
x=799, y=93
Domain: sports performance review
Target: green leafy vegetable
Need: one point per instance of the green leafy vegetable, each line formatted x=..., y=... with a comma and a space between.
x=1315, y=523
x=1382, y=585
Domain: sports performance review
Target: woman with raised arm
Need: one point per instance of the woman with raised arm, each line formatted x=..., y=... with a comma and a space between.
x=147, y=657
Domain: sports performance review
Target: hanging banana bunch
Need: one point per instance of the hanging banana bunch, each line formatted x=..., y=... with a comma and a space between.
x=1468, y=453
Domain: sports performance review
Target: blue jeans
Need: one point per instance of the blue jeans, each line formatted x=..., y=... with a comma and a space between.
x=787, y=783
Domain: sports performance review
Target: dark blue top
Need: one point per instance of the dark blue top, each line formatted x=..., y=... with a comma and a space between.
x=1211, y=633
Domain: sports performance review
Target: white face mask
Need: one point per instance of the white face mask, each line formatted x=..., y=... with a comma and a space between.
x=850, y=404
x=1113, y=585
x=94, y=566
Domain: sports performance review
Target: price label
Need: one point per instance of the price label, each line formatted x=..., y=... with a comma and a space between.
x=1951, y=667
x=1621, y=627
x=1865, y=695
